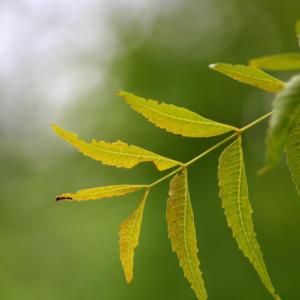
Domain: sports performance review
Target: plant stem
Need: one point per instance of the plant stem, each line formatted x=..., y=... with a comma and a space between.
x=239, y=132
x=163, y=178
x=257, y=121
x=211, y=149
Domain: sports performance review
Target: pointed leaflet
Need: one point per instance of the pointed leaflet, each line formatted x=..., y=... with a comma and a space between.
x=129, y=238
x=117, y=154
x=234, y=194
x=252, y=76
x=101, y=192
x=182, y=232
x=286, y=109
x=175, y=119
x=292, y=149
x=279, y=62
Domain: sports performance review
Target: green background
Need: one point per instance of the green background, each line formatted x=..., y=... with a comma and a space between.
x=70, y=250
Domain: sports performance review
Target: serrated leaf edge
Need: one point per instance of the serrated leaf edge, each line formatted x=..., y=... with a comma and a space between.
x=212, y=66
x=210, y=122
x=131, y=247
x=185, y=239
x=266, y=277
x=119, y=189
x=149, y=158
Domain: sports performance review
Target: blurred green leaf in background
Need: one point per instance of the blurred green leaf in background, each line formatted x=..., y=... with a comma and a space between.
x=61, y=62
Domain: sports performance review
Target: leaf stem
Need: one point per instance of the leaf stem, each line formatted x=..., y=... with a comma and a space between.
x=167, y=176
x=238, y=133
x=257, y=121
x=211, y=149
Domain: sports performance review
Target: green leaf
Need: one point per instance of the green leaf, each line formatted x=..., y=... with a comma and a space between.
x=101, y=192
x=279, y=62
x=129, y=238
x=252, y=76
x=116, y=154
x=286, y=109
x=234, y=194
x=182, y=232
x=292, y=149
x=175, y=119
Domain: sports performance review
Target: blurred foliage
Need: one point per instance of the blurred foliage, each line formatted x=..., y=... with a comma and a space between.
x=71, y=250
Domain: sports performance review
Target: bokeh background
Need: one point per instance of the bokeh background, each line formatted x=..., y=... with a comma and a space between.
x=61, y=62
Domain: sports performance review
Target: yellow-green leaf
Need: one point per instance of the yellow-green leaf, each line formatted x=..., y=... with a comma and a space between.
x=279, y=62
x=175, y=119
x=234, y=194
x=250, y=75
x=116, y=154
x=286, y=109
x=292, y=149
x=101, y=192
x=129, y=238
x=182, y=232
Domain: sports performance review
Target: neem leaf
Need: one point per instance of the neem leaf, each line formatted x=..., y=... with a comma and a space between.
x=129, y=238
x=286, y=109
x=117, y=154
x=250, y=75
x=101, y=192
x=183, y=234
x=279, y=62
x=292, y=149
x=234, y=194
x=175, y=119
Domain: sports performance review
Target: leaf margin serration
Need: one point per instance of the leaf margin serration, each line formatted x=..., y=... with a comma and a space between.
x=239, y=72
x=162, y=115
x=197, y=283
x=259, y=264
x=127, y=251
x=101, y=192
x=111, y=151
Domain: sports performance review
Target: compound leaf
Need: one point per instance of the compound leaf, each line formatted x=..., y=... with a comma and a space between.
x=292, y=149
x=234, y=194
x=175, y=119
x=129, y=238
x=101, y=192
x=279, y=62
x=117, y=154
x=286, y=109
x=250, y=75
x=182, y=232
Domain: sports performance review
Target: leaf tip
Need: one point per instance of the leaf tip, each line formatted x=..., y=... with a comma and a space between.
x=56, y=129
x=63, y=198
x=212, y=66
x=120, y=93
